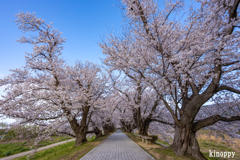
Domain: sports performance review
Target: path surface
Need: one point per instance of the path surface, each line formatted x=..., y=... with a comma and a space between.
x=117, y=147
x=39, y=149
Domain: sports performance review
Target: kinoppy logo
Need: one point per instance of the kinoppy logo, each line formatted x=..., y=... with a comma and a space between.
x=221, y=154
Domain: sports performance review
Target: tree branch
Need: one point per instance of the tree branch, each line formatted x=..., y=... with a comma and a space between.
x=156, y=120
x=230, y=63
x=212, y=120
x=66, y=133
x=233, y=14
x=224, y=87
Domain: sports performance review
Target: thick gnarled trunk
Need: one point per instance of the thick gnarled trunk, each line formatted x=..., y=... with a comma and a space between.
x=81, y=135
x=142, y=124
x=98, y=132
x=143, y=128
x=185, y=143
x=107, y=128
x=80, y=139
x=80, y=130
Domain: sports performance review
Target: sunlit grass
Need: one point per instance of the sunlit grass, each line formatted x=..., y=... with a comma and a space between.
x=162, y=142
x=7, y=149
x=67, y=151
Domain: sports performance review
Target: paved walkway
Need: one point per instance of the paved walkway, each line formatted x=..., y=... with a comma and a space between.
x=39, y=149
x=117, y=147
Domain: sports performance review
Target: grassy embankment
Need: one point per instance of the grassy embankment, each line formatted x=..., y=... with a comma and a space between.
x=17, y=146
x=206, y=142
x=67, y=151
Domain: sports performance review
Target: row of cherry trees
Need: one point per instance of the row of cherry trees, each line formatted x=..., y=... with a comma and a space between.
x=179, y=66
x=161, y=73
x=50, y=93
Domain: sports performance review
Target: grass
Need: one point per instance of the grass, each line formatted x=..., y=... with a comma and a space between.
x=162, y=142
x=66, y=151
x=55, y=139
x=90, y=139
x=206, y=136
x=12, y=148
x=7, y=149
x=161, y=153
x=206, y=142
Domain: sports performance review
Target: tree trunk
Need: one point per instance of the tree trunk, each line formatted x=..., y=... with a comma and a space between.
x=185, y=143
x=98, y=132
x=81, y=136
x=105, y=130
x=127, y=127
x=80, y=130
x=143, y=129
x=123, y=129
x=80, y=139
x=143, y=126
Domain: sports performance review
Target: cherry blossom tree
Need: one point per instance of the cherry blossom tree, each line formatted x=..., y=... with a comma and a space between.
x=95, y=125
x=126, y=118
x=46, y=91
x=103, y=119
x=108, y=119
x=136, y=95
x=186, y=63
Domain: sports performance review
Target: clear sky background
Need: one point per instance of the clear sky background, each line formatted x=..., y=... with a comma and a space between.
x=82, y=23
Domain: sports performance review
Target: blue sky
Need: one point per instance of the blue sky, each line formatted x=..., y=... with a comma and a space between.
x=82, y=23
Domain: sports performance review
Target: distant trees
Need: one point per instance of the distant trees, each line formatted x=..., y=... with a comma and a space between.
x=91, y=87
x=126, y=118
x=135, y=96
x=186, y=63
